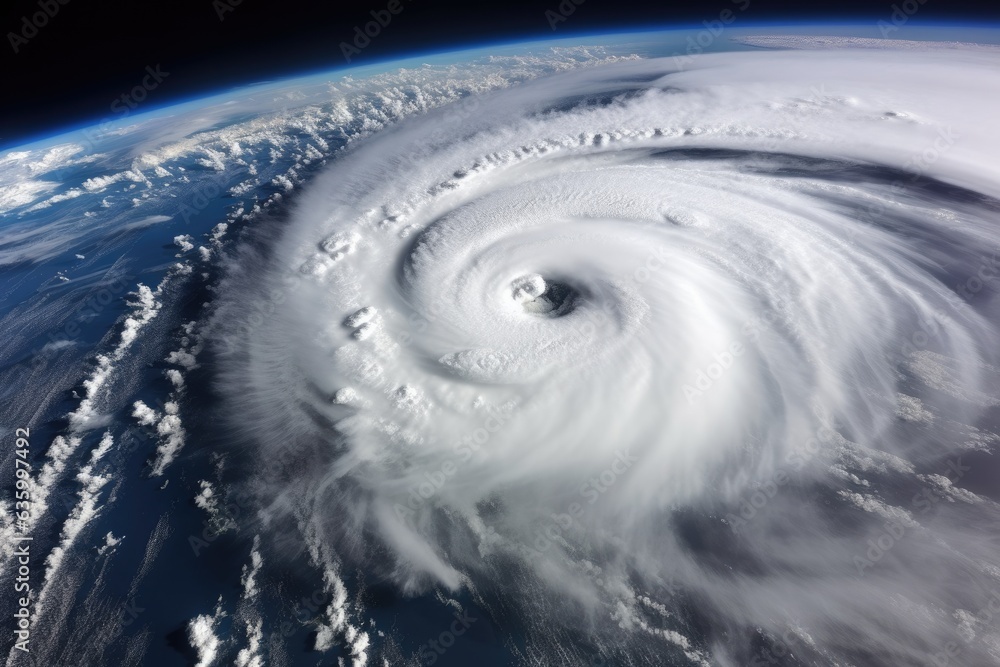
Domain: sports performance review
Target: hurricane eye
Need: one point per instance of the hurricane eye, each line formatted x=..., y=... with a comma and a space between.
x=544, y=298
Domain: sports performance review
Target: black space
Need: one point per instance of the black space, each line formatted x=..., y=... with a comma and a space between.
x=91, y=51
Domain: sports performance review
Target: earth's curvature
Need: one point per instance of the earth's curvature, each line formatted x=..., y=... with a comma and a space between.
x=601, y=352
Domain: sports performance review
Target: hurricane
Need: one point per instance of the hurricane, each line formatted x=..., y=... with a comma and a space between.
x=660, y=361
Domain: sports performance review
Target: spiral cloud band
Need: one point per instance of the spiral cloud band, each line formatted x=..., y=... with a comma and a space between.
x=673, y=366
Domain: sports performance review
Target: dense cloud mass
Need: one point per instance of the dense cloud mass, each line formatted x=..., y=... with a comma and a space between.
x=670, y=364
